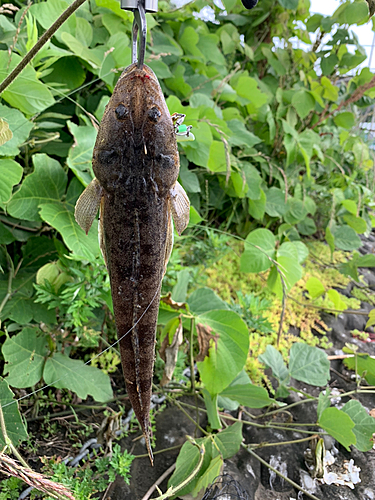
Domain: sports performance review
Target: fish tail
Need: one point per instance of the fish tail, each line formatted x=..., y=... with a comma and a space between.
x=147, y=433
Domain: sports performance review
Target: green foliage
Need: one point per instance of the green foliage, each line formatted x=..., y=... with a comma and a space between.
x=98, y=472
x=274, y=162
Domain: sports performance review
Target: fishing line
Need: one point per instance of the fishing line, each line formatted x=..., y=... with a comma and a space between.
x=91, y=359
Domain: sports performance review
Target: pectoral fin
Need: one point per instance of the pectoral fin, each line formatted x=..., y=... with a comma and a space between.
x=101, y=232
x=88, y=204
x=180, y=206
x=169, y=242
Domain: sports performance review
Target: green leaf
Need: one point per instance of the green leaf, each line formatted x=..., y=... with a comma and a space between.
x=259, y=246
x=186, y=463
x=227, y=353
x=364, y=424
x=248, y=395
x=241, y=136
x=80, y=154
x=189, y=180
x=26, y=92
x=274, y=360
x=160, y=69
x=324, y=402
x=217, y=158
x=303, y=102
x=357, y=223
x=47, y=12
x=350, y=206
x=309, y=364
x=339, y=425
x=346, y=238
x=354, y=13
x=295, y=249
x=200, y=152
x=315, y=287
x=208, y=477
x=291, y=271
x=61, y=217
x=253, y=181
x=365, y=366
x=248, y=92
x=19, y=127
x=13, y=422
x=24, y=355
x=330, y=240
x=10, y=175
x=179, y=291
x=229, y=440
x=204, y=300
x=275, y=205
x=345, y=120
x=307, y=227
x=335, y=297
x=257, y=207
x=47, y=183
x=63, y=372
x=211, y=407
x=289, y=4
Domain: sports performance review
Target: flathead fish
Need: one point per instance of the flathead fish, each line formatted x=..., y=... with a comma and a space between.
x=136, y=164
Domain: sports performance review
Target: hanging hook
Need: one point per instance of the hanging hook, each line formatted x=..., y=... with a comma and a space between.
x=139, y=24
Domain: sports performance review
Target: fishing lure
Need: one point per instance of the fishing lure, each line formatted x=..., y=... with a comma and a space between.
x=136, y=164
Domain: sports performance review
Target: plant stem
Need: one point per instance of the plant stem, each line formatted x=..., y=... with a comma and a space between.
x=10, y=278
x=159, y=481
x=285, y=478
x=192, y=374
x=8, y=441
x=264, y=445
x=145, y=455
x=39, y=44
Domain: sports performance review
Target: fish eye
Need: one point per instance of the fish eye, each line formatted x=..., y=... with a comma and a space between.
x=154, y=114
x=106, y=157
x=121, y=112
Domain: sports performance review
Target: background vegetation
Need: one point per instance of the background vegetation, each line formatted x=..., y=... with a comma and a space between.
x=279, y=166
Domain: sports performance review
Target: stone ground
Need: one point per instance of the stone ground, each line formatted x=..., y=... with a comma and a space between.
x=172, y=427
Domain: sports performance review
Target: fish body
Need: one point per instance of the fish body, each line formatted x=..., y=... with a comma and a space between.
x=136, y=164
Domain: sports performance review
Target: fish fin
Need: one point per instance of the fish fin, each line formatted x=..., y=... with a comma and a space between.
x=101, y=232
x=88, y=204
x=169, y=242
x=147, y=435
x=180, y=206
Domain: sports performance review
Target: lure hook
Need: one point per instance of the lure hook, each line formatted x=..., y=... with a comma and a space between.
x=139, y=24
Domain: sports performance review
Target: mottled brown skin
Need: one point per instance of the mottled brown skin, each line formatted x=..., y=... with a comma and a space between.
x=136, y=162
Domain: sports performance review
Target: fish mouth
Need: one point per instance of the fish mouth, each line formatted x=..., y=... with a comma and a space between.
x=133, y=71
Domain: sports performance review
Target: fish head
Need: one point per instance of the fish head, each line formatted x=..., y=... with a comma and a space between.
x=136, y=135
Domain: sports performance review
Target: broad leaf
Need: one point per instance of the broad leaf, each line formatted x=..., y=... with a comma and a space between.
x=339, y=425
x=364, y=424
x=80, y=154
x=227, y=354
x=24, y=355
x=346, y=238
x=62, y=218
x=204, y=300
x=26, y=92
x=309, y=364
x=259, y=248
x=18, y=126
x=13, y=422
x=248, y=395
x=273, y=359
x=229, y=440
x=47, y=183
x=63, y=372
x=10, y=175
x=365, y=366
x=315, y=287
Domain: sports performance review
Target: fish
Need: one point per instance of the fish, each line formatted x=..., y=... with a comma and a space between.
x=136, y=166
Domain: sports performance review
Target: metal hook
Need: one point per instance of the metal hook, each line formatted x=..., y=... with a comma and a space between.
x=139, y=24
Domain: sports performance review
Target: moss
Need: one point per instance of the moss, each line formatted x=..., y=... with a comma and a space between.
x=363, y=295
x=225, y=277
